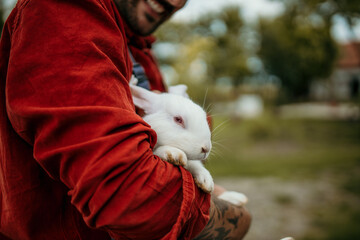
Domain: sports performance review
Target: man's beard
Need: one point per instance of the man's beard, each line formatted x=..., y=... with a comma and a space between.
x=127, y=9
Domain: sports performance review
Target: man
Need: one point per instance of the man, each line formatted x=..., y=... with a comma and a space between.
x=76, y=160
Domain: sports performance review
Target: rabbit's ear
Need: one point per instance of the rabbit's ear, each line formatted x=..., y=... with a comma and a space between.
x=144, y=99
x=179, y=90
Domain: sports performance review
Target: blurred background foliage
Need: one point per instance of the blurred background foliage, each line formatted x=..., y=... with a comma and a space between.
x=304, y=138
x=302, y=38
x=297, y=50
x=2, y=14
x=284, y=96
x=289, y=51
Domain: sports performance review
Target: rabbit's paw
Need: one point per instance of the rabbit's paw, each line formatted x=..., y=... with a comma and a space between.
x=235, y=198
x=172, y=155
x=204, y=180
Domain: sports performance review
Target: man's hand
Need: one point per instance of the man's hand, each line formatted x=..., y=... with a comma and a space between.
x=227, y=221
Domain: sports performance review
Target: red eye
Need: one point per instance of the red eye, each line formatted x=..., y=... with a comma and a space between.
x=179, y=120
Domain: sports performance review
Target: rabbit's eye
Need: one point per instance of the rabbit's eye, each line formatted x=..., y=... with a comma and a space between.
x=179, y=120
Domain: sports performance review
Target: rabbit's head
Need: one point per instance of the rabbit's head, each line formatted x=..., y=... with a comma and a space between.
x=177, y=120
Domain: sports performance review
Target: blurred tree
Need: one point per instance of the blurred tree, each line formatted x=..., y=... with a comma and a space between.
x=349, y=9
x=298, y=48
x=2, y=13
x=212, y=43
x=327, y=9
x=227, y=59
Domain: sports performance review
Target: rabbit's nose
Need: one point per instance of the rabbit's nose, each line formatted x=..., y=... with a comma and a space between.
x=204, y=150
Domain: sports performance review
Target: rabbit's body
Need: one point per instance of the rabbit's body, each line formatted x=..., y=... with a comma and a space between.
x=183, y=133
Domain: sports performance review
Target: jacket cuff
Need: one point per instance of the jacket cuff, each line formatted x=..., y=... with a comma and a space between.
x=194, y=210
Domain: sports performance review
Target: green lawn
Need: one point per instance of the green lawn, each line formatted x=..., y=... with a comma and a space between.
x=284, y=148
x=296, y=149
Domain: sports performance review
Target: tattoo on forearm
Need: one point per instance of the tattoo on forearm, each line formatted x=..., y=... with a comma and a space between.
x=233, y=221
x=224, y=222
x=222, y=233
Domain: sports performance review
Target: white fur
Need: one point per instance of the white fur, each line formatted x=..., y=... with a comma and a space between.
x=176, y=144
x=201, y=175
x=179, y=90
x=235, y=198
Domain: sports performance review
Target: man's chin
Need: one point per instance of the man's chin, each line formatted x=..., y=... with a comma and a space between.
x=145, y=31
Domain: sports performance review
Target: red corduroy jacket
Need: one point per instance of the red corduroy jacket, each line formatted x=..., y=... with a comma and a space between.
x=76, y=161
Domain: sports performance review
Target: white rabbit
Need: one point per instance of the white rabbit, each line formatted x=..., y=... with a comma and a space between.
x=183, y=134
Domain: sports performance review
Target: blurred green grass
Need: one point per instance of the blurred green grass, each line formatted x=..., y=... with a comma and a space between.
x=271, y=146
x=296, y=149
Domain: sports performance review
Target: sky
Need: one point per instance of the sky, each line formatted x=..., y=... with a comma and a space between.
x=250, y=11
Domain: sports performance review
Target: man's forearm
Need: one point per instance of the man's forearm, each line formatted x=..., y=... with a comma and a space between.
x=227, y=221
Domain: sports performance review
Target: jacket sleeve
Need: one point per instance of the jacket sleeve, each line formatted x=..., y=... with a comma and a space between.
x=68, y=96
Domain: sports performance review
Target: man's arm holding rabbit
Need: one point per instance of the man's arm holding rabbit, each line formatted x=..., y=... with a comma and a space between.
x=227, y=221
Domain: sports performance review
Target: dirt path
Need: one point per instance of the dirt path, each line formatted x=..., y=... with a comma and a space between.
x=284, y=208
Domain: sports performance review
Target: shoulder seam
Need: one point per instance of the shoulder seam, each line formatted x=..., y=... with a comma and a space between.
x=19, y=7
x=101, y=3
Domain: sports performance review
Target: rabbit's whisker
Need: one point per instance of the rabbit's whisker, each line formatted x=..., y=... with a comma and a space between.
x=220, y=125
x=222, y=145
x=215, y=154
x=217, y=114
x=209, y=108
